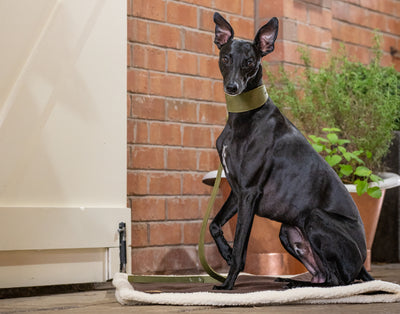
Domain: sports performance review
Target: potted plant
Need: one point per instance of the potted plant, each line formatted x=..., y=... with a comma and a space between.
x=366, y=188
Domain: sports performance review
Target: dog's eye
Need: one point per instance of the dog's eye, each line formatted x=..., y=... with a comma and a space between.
x=249, y=62
x=225, y=60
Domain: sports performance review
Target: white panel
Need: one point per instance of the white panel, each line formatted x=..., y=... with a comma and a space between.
x=39, y=268
x=63, y=132
x=56, y=228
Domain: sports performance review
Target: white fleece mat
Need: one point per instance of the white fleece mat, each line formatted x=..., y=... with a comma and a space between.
x=376, y=291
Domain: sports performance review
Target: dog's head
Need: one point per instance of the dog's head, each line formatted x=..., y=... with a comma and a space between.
x=240, y=60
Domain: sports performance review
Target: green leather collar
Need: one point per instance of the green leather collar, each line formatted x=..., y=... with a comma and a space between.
x=247, y=101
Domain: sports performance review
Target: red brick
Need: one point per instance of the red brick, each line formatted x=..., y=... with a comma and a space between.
x=165, y=233
x=137, y=183
x=183, y=208
x=352, y=34
x=148, y=107
x=147, y=157
x=244, y=28
x=130, y=131
x=165, y=35
x=206, y=20
x=165, y=84
x=128, y=55
x=140, y=132
x=165, y=183
x=393, y=25
x=181, y=159
x=209, y=67
x=321, y=17
x=129, y=7
x=212, y=113
x=153, y=10
x=165, y=133
x=248, y=8
x=148, y=57
x=148, y=209
x=197, y=136
x=183, y=111
x=139, y=235
x=233, y=6
x=162, y=260
x=137, y=30
x=385, y=6
x=191, y=233
x=218, y=92
x=314, y=36
x=296, y=10
x=128, y=156
x=208, y=160
x=137, y=81
x=193, y=185
x=198, y=41
x=203, y=3
x=182, y=14
x=182, y=62
x=216, y=131
x=195, y=88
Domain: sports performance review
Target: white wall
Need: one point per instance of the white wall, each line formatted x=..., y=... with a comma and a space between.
x=62, y=133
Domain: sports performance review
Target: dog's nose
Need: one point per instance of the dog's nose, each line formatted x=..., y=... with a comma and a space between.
x=232, y=88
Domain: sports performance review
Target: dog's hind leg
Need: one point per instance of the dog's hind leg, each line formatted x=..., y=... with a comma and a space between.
x=228, y=210
x=297, y=245
x=364, y=275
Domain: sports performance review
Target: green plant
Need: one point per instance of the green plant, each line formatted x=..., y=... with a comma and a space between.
x=347, y=164
x=361, y=100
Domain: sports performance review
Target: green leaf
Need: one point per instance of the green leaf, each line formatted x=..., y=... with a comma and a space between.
x=342, y=150
x=318, y=147
x=375, y=178
x=362, y=171
x=346, y=170
x=361, y=186
x=331, y=130
x=358, y=152
x=374, y=192
x=341, y=142
x=333, y=160
x=368, y=154
x=333, y=138
x=317, y=139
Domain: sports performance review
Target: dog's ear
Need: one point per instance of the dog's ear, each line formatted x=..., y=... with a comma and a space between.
x=223, y=30
x=266, y=36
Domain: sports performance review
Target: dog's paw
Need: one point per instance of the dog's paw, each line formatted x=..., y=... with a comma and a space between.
x=280, y=279
x=222, y=287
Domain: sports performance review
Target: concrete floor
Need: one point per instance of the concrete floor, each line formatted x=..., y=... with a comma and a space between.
x=103, y=301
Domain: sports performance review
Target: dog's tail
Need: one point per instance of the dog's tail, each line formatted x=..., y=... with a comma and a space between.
x=364, y=275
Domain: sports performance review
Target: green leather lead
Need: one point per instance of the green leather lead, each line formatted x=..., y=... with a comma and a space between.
x=210, y=205
x=213, y=276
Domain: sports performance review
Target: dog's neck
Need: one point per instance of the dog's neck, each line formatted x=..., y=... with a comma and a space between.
x=247, y=101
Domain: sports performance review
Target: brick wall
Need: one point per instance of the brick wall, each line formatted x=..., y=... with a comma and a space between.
x=176, y=111
x=176, y=103
x=323, y=25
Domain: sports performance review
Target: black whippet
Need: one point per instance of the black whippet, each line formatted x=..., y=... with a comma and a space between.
x=275, y=173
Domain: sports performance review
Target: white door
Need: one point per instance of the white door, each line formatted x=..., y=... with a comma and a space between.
x=62, y=140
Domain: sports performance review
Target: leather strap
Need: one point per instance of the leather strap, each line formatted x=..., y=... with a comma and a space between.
x=215, y=277
x=210, y=206
x=247, y=101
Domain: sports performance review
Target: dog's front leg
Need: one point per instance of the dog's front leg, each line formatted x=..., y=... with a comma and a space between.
x=226, y=212
x=246, y=212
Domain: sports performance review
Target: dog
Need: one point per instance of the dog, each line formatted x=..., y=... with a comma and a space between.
x=275, y=173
